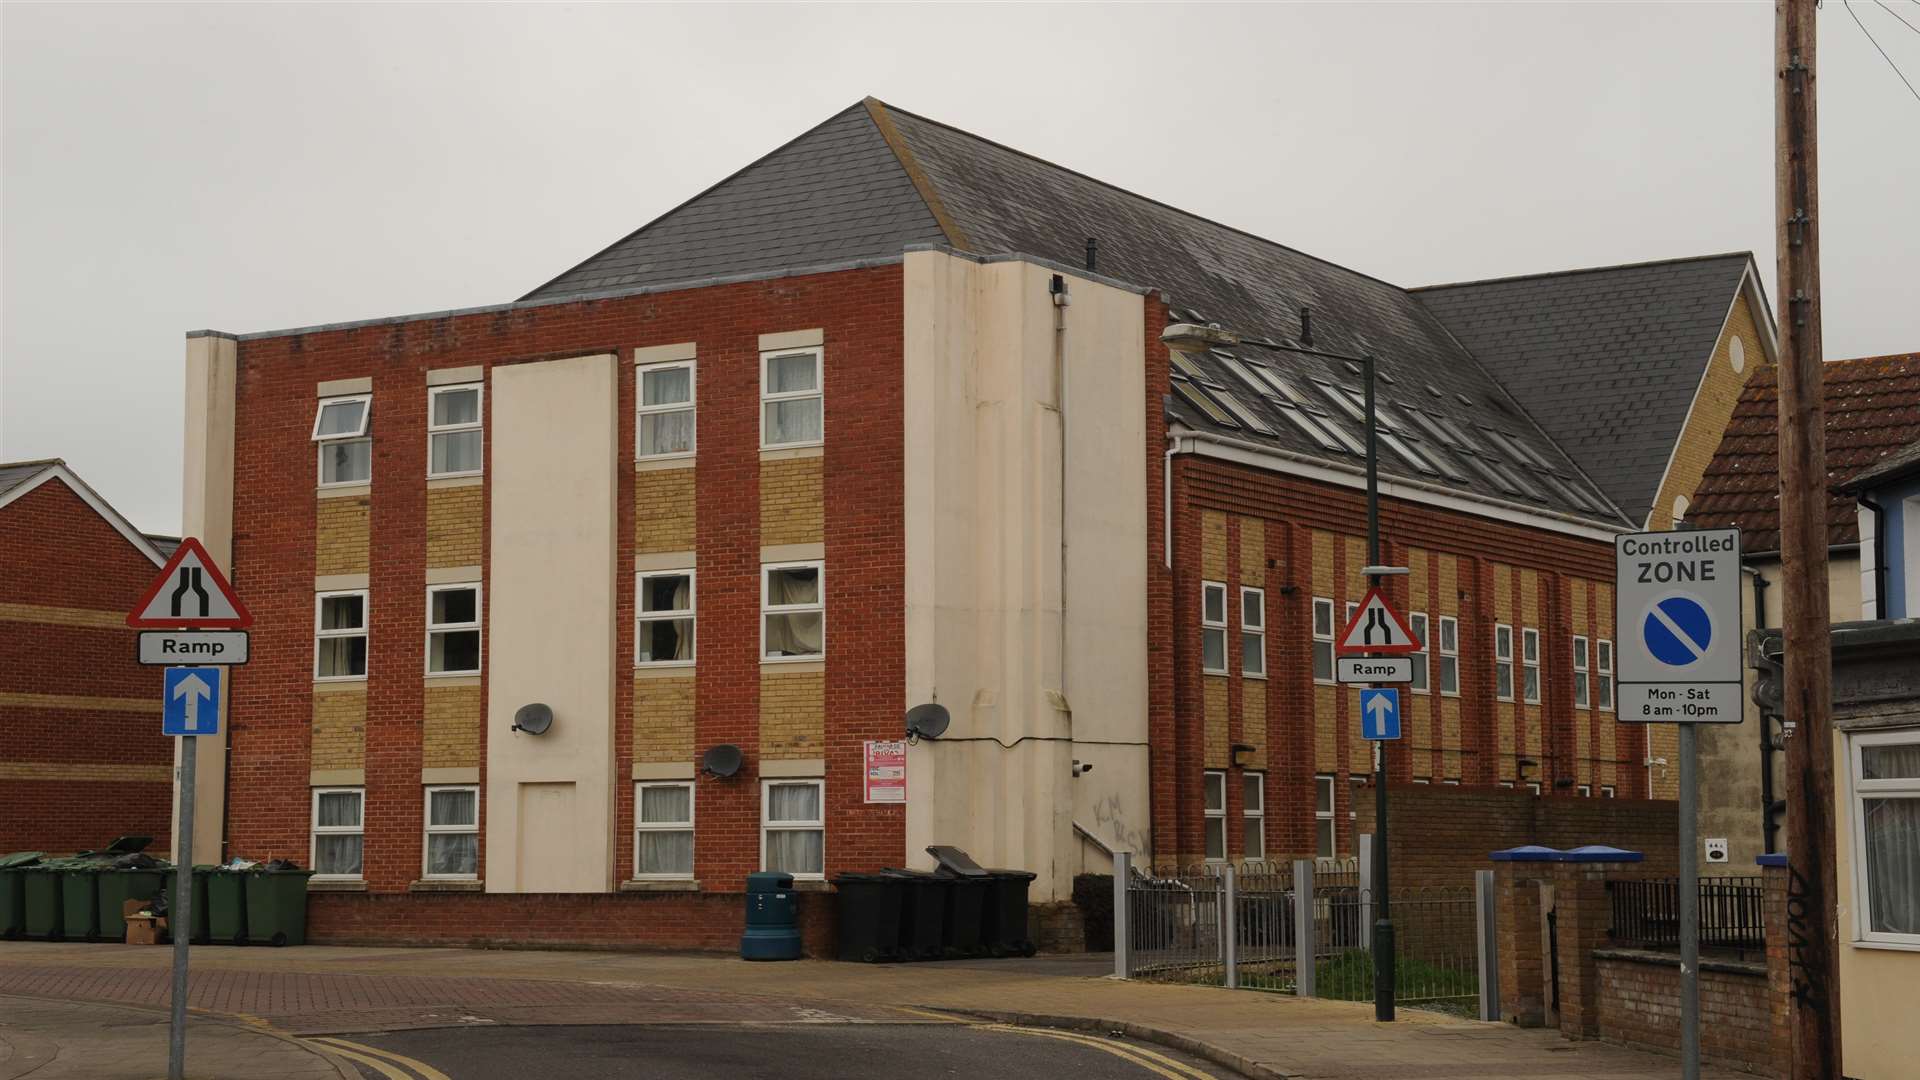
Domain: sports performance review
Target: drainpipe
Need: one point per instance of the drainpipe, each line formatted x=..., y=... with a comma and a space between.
x=1769, y=811
x=1057, y=290
x=1879, y=554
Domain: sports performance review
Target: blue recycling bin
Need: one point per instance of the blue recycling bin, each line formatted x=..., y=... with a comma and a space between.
x=773, y=919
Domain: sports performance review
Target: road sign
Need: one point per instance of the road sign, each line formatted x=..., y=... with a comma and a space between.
x=190, y=592
x=1377, y=628
x=1373, y=669
x=167, y=648
x=190, y=701
x=1380, y=714
x=1677, y=616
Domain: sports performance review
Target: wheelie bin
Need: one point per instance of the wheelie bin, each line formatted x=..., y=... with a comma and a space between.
x=41, y=903
x=963, y=933
x=869, y=916
x=773, y=918
x=226, y=905
x=80, y=899
x=119, y=884
x=13, y=892
x=1006, y=914
x=276, y=905
x=923, y=916
x=201, y=903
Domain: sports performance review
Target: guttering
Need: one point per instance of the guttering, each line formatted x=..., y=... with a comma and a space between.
x=1287, y=462
x=1879, y=553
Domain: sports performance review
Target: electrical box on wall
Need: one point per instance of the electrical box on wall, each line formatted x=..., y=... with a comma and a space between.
x=1716, y=849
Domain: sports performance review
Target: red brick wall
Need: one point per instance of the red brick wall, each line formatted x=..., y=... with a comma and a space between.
x=860, y=312
x=1639, y=1006
x=60, y=553
x=1439, y=835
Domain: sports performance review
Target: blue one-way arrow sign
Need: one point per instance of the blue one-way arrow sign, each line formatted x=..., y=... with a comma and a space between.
x=190, y=701
x=1380, y=714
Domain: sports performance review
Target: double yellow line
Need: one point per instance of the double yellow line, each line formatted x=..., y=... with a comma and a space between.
x=385, y=1062
x=1159, y=1064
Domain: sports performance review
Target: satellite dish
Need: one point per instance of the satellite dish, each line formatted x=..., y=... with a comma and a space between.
x=723, y=760
x=928, y=721
x=533, y=719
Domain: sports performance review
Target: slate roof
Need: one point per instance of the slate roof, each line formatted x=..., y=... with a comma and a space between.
x=873, y=180
x=15, y=473
x=1606, y=359
x=1873, y=411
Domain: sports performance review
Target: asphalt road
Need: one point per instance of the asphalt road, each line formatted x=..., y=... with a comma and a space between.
x=783, y=1051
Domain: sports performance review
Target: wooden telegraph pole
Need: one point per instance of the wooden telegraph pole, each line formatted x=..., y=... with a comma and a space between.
x=1807, y=687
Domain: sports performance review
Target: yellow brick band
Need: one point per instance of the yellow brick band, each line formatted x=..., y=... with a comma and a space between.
x=792, y=507
x=65, y=771
x=455, y=517
x=83, y=704
x=63, y=616
x=341, y=536
x=663, y=510
x=1253, y=722
x=793, y=715
x=1216, y=720
x=450, y=728
x=340, y=730
x=1213, y=545
x=663, y=720
x=1253, y=552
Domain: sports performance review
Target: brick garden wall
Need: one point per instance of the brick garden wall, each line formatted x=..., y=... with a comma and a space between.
x=1640, y=1006
x=82, y=760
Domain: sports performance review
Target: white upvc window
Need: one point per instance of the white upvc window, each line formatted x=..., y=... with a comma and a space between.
x=1417, y=622
x=340, y=635
x=1214, y=790
x=455, y=443
x=1533, y=786
x=1506, y=783
x=665, y=420
x=1253, y=633
x=1884, y=774
x=338, y=824
x=1451, y=781
x=1581, y=688
x=1449, y=656
x=793, y=612
x=1603, y=678
x=663, y=830
x=1213, y=628
x=453, y=834
x=793, y=827
x=1585, y=790
x=1323, y=815
x=340, y=428
x=1322, y=640
x=1607, y=791
x=790, y=402
x=1503, y=662
x=1423, y=779
x=453, y=629
x=1530, y=665
x=663, y=618
x=1253, y=815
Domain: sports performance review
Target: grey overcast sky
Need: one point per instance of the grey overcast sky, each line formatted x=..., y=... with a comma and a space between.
x=167, y=168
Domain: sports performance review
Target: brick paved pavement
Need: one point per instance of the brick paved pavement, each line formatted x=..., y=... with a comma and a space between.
x=65, y=1040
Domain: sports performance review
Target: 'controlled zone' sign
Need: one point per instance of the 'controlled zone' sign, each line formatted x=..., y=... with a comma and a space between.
x=1677, y=619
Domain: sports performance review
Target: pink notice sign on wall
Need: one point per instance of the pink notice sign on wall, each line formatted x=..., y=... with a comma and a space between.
x=886, y=771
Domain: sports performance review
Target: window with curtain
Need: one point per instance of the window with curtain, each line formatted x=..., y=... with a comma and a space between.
x=1253, y=813
x=337, y=831
x=1886, y=841
x=790, y=400
x=453, y=430
x=663, y=830
x=1503, y=662
x=793, y=827
x=1253, y=633
x=793, y=612
x=340, y=635
x=1213, y=627
x=1417, y=622
x=453, y=832
x=1322, y=639
x=340, y=428
x=664, y=413
x=453, y=629
x=665, y=616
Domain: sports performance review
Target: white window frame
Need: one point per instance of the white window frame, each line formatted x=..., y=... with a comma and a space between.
x=362, y=631
x=1582, y=658
x=691, y=405
x=1214, y=819
x=1451, y=781
x=1319, y=815
x=1604, y=685
x=479, y=616
x=430, y=829
x=1506, y=783
x=1531, y=677
x=321, y=442
x=1253, y=814
x=1585, y=790
x=1533, y=786
x=1423, y=656
x=1449, y=658
x=691, y=613
x=1255, y=634
x=1503, y=662
x=1323, y=641
x=315, y=830
x=639, y=827
x=1215, y=629
x=820, y=605
x=1423, y=780
x=1858, y=792
x=478, y=423
x=1608, y=791
x=816, y=825
x=819, y=391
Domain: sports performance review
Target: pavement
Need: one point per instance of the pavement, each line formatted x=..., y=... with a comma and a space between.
x=342, y=992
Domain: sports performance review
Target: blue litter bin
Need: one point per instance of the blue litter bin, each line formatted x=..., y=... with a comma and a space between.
x=773, y=919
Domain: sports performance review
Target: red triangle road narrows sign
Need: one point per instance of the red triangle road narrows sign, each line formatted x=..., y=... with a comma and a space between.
x=1377, y=628
x=190, y=592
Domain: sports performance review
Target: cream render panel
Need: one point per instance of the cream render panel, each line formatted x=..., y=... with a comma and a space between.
x=550, y=798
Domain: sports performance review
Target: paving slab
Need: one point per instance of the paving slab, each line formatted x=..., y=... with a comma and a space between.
x=48, y=1039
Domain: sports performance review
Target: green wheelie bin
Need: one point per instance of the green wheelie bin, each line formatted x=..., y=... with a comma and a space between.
x=41, y=903
x=226, y=902
x=116, y=886
x=202, y=902
x=13, y=892
x=276, y=905
x=80, y=899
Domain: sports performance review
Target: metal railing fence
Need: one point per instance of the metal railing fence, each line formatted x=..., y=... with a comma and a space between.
x=1646, y=913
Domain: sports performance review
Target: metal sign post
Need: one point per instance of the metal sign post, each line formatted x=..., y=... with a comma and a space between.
x=1677, y=616
x=182, y=917
x=1383, y=920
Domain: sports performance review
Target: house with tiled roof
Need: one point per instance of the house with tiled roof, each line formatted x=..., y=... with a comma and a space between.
x=896, y=416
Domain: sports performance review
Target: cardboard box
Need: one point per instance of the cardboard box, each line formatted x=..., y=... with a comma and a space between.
x=145, y=929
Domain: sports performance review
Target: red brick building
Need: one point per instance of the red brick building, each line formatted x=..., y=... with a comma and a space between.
x=888, y=418
x=82, y=760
